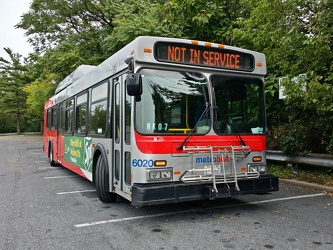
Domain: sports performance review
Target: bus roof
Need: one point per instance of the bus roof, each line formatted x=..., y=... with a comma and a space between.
x=75, y=75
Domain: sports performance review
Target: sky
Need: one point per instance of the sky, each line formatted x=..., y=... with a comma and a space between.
x=10, y=15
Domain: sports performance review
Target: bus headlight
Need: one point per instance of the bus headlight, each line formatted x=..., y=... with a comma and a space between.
x=153, y=175
x=166, y=174
x=261, y=168
x=252, y=168
x=162, y=174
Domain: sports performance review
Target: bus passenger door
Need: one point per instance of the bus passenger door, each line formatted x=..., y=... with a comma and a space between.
x=121, y=136
x=55, y=127
x=60, y=134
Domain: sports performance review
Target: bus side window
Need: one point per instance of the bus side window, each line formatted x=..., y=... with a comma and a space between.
x=98, y=110
x=128, y=105
x=49, y=119
x=98, y=118
x=81, y=114
x=117, y=113
x=54, y=121
x=69, y=116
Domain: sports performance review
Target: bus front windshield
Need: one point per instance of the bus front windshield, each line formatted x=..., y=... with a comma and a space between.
x=172, y=102
x=239, y=105
x=178, y=102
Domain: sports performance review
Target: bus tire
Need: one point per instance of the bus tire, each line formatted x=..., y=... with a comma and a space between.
x=52, y=162
x=102, y=182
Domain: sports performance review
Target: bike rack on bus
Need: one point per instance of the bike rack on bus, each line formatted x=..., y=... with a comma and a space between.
x=236, y=153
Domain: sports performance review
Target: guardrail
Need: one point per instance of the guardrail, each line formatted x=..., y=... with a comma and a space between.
x=309, y=159
x=23, y=133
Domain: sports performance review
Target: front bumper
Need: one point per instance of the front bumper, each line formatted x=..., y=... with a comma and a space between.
x=163, y=193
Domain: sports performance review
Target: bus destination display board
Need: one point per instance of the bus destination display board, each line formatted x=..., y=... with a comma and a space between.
x=203, y=56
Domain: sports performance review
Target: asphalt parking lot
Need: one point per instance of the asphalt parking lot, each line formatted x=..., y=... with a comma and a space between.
x=46, y=207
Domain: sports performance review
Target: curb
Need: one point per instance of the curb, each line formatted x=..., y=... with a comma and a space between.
x=308, y=185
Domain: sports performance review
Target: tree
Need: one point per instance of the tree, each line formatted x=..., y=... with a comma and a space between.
x=135, y=18
x=203, y=20
x=38, y=92
x=296, y=37
x=12, y=81
x=81, y=22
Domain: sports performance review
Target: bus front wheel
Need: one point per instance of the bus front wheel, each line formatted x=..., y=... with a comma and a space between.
x=102, y=182
x=52, y=162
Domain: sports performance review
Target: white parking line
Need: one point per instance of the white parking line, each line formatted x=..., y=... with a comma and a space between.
x=60, y=177
x=194, y=210
x=47, y=168
x=288, y=198
x=131, y=218
x=76, y=192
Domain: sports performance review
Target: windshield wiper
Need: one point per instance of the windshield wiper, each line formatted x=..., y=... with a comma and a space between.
x=228, y=123
x=234, y=130
x=195, y=127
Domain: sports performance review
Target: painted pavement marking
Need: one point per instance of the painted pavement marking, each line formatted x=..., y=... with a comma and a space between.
x=193, y=210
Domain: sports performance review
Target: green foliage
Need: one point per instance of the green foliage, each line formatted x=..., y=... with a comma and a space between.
x=7, y=122
x=311, y=174
x=38, y=92
x=135, y=18
x=296, y=36
x=329, y=148
x=32, y=123
x=301, y=136
x=13, y=78
x=294, y=142
x=202, y=20
x=51, y=23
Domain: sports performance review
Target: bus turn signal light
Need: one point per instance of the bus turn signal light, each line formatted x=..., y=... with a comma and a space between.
x=256, y=158
x=160, y=163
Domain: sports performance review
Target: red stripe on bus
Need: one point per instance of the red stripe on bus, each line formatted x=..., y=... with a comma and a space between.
x=159, y=144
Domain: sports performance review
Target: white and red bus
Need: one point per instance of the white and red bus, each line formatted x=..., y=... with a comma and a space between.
x=164, y=120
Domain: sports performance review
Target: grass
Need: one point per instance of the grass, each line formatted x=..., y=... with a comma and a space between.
x=311, y=174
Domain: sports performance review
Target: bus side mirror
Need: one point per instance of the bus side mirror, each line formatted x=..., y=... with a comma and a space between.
x=134, y=84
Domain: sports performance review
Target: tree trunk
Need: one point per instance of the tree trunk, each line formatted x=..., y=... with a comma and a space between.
x=18, y=123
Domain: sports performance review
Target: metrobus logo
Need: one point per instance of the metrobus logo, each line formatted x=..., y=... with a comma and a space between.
x=208, y=159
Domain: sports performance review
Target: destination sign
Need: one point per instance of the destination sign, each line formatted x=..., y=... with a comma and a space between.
x=203, y=56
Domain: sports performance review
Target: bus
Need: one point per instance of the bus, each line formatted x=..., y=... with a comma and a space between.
x=164, y=120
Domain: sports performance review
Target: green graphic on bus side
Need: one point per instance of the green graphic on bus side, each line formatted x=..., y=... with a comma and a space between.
x=78, y=151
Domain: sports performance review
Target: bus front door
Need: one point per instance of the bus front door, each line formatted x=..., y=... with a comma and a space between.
x=121, y=136
x=60, y=135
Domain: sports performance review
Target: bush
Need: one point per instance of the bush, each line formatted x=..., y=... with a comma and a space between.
x=299, y=138
x=31, y=124
x=7, y=123
x=295, y=142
